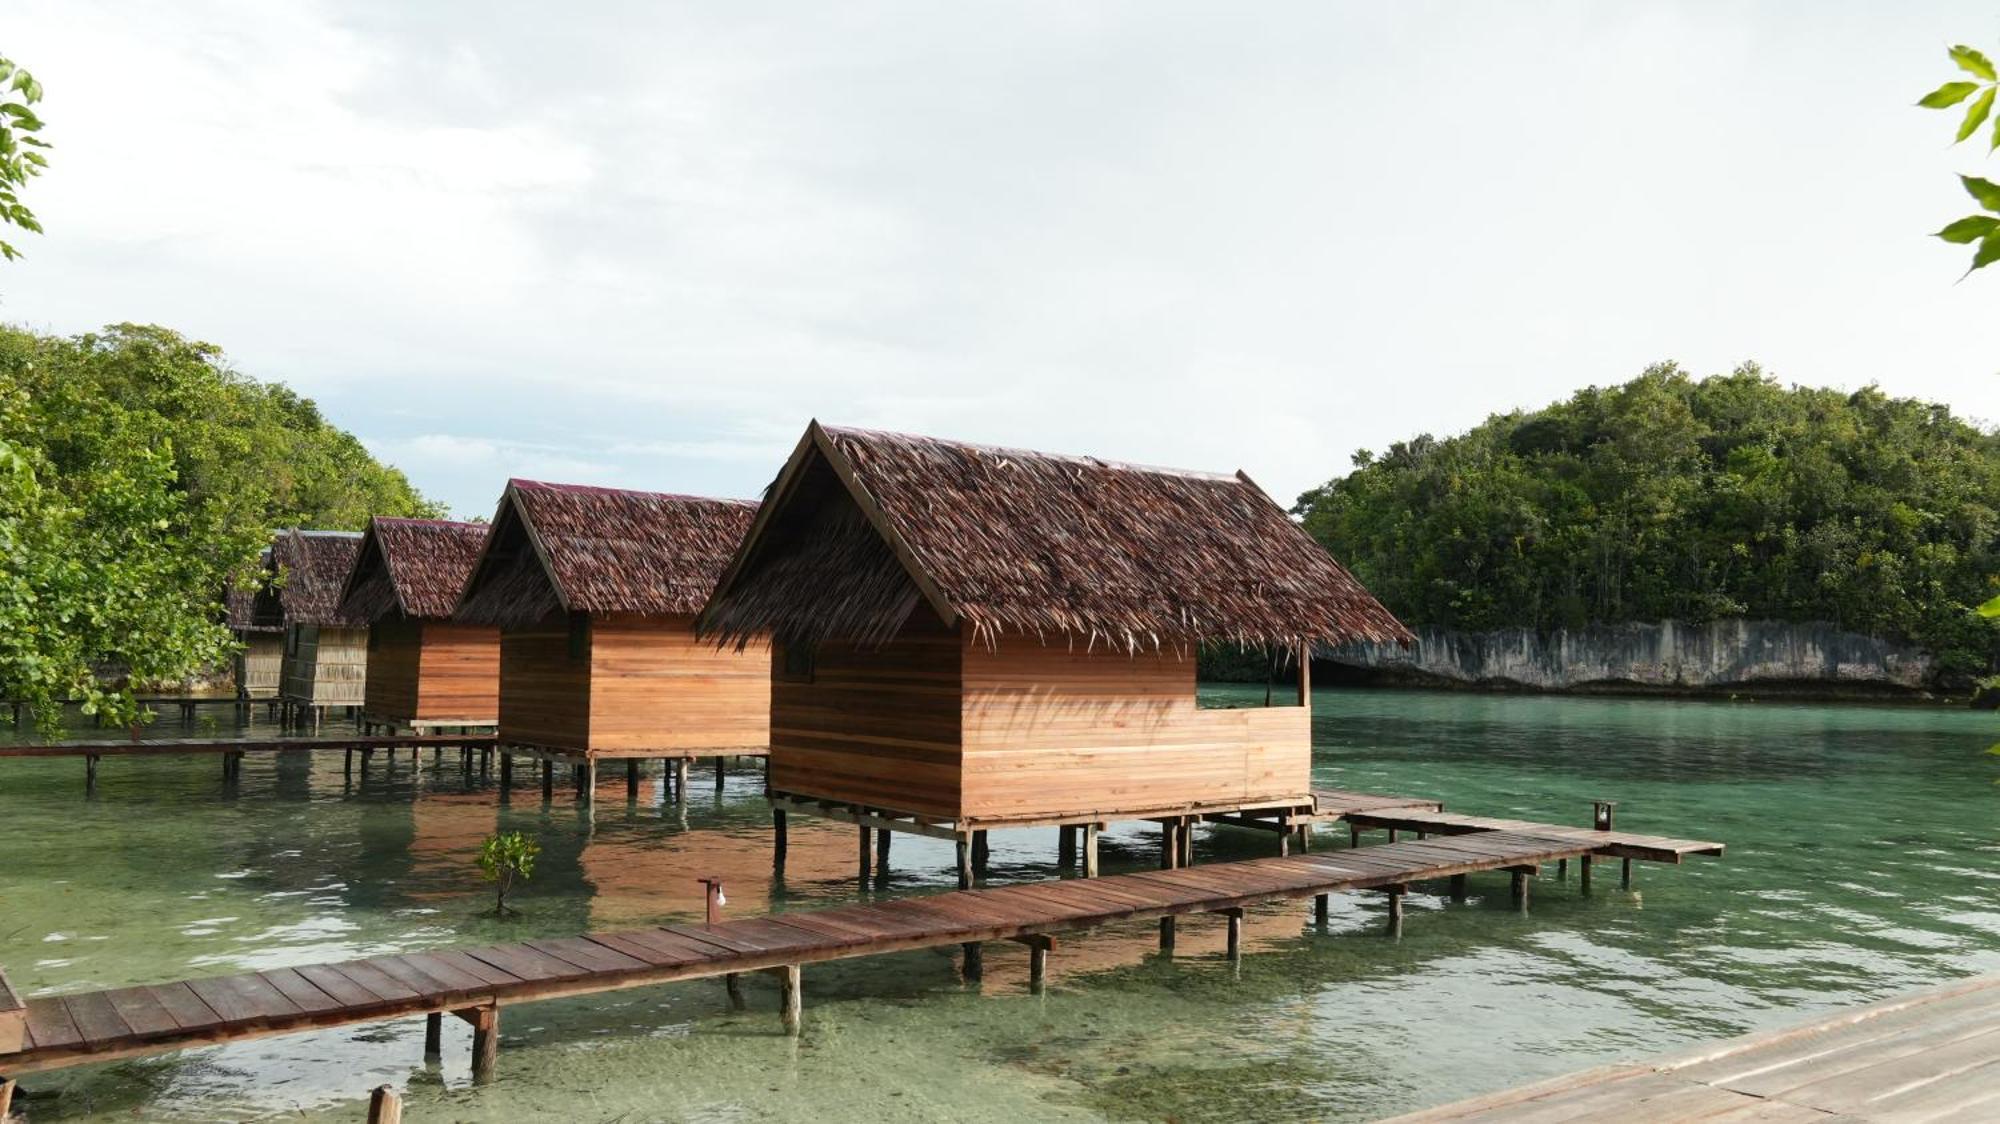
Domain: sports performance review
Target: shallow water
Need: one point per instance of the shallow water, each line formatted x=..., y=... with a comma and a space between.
x=1862, y=861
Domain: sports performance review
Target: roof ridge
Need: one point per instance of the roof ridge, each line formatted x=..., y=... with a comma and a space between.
x=606, y=489
x=1019, y=451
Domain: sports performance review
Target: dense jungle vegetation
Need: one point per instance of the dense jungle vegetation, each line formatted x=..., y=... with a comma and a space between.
x=1672, y=497
x=139, y=473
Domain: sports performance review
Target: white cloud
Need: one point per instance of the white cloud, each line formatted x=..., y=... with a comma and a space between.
x=643, y=244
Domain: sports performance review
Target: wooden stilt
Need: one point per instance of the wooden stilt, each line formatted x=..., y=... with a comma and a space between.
x=1625, y=876
x=789, y=1000
x=548, y=779
x=1354, y=837
x=7, y=1083
x=1187, y=840
x=506, y=773
x=1170, y=847
x=1038, y=962
x=1458, y=887
x=964, y=862
x=1285, y=837
x=1090, y=850
x=1562, y=870
x=981, y=853
x=485, y=1041
x=1167, y=934
x=733, y=985
x=434, y=1036
x=680, y=780
x=384, y=1106
x=1305, y=837
x=632, y=778
x=1065, y=847
x=586, y=781
x=975, y=963
x=882, y=835
x=1583, y=874
x=719, y=761
x=1396, y=910
x=1235, y=933
x=1320, y=906
x=867, y=853
x=1521, y=888
x=347, y=763
x=778, y=841
x=90, y=773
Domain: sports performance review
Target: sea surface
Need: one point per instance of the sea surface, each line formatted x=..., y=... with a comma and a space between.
x=1864, y=860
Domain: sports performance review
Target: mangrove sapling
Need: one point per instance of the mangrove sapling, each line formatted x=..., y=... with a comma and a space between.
x=504, y=857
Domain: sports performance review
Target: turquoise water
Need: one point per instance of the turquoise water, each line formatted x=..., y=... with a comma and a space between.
x=1862, y=861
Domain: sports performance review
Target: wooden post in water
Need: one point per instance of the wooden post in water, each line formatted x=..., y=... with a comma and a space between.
x=1320, y=906
x=1090, y=850
x=548, y=780
x=719, y=760
x=1065, y=847
x=506, y=774
x=778, y=829
x=1170, y=848
x=384, y=1106
x=982, y=852
x=89, y=782
x=631, y=778
x=975, y=963
x=485, y=1039
x=1167, y=934
x=1187, y=840
x=586, y=781
x=1458, y=888
x=964, y=861
x=867, y=854
x=1625, y=877
x=680, y=780
x=882, y=836
x=434, y=1036
x=1521, y=874
x=1235, y=934
x=1038, y=960
x=1396, y=909
x=789, y=1000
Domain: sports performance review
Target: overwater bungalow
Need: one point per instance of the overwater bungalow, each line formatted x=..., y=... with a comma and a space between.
x=325, y=660
x=425, y=671
x=258, y=665
x=968, y=637
x=595, y=592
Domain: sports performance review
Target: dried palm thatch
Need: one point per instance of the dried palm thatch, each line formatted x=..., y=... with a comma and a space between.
x=416, y=567
x=863, y=526
x=240, y=613
x=599, y=550
x=306, y=571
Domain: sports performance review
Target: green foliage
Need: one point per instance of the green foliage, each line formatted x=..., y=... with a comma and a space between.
x=1672, y=498
x=20, y=160
x=1978, y=230
x=504, y=857
x=138, y=475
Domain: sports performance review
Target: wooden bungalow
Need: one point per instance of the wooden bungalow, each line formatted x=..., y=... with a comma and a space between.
x=595, y=591
x=325, y=661
x=967, y=637
x=425, y=671
x=258, y=664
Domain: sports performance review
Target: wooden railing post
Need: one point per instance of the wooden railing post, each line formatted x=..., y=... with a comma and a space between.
x=384, y=1106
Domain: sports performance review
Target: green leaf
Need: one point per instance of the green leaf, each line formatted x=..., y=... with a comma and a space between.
x=1966, y=231
x=1989, y=252
x=1990, y=609
x=1986, y=191
x=1976, y=116
x=1947, y=95
x=1972, y=62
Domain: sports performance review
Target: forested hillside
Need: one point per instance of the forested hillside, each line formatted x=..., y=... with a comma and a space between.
x=1689, y=499
x=138, y=473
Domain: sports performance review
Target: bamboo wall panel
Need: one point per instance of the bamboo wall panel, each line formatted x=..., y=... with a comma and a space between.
x=655, y=687
x=394, y=650
x=873, y=726
x=260, y=665
x=458, y=675
x=326, y=666
x=544, y=692
x=1055, y=731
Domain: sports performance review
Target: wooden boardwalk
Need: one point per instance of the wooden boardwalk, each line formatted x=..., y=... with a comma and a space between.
x=1614, y=844
x=473, y=983
x=232, y=750
x=1930, y=1056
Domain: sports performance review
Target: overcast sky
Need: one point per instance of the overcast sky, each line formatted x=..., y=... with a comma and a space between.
x=641, y=244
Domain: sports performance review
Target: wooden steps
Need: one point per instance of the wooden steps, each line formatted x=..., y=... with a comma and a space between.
x=1934, y=1055
x=473, y=982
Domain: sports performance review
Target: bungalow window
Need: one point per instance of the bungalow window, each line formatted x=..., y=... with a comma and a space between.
x=579, y=636
x=796, y=663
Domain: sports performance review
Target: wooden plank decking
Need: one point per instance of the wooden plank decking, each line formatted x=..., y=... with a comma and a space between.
x=168, y=747
x=1930, y=1056
x=1617, y=844
x=95, y=1026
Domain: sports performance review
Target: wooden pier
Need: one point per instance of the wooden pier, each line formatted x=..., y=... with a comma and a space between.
x=1934, y=1055
x=232, y=750
x=473, y=983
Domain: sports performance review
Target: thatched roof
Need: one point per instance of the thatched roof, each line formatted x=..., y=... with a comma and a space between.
x=307, y=570
x=416, y=567
x=863, y=527
x=600, y=550
x=240, y=604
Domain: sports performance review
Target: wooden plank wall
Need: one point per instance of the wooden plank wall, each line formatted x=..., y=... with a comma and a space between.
x=1053, y=731
x=873, y=726
x=654, y=686
x=544, y=692
x=458, y=674
x=394, y=651
x=259, y=666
